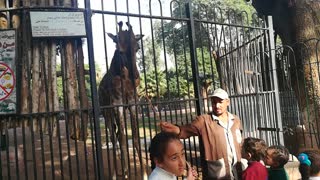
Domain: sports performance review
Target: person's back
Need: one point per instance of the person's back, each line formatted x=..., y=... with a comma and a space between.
x=253, y=149
x=277, y=156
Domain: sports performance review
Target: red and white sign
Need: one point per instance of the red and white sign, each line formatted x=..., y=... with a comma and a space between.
x=7, y=81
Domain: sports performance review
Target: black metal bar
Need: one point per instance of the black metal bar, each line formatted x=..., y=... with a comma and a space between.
x=275, y=81
x=143, y=122
x=82, y=113
x=93, y=147
x=193, y=56
x=95, y=103
x=24, y=150
x=64, y=71
x=104, y=37
x=257, y=106
x=33, y=148
x=7, y=149
x=2, y=146
x=19, y=62
x=16, y=150
x=40, y=119
x=47, y=120
x=60, y=146
x=75, y=116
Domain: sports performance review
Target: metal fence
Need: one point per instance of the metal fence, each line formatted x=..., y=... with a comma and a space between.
x=298, y=72
x=180, y=56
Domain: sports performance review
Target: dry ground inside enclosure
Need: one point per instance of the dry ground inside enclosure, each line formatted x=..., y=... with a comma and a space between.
x=76, y=160
x=56, y=163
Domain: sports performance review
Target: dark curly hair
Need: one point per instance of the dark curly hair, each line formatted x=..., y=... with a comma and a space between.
x=256, y=147
x=314, y=168
x=280, y=154
x=158, y=146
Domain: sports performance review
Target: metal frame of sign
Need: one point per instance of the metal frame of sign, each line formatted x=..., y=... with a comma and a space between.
x=57, y=24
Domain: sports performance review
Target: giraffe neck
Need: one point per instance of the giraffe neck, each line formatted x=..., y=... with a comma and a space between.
x=134, y=73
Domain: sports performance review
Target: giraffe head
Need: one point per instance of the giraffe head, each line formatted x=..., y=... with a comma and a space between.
x=125, y=39
x=127, y=44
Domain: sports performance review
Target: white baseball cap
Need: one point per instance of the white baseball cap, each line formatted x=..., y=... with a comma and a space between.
x=220, y=93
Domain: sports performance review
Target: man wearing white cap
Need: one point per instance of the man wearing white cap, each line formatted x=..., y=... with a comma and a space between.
x=221, y=136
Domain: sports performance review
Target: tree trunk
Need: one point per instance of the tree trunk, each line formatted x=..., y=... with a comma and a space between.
x=35, y=81
x=309, y=91
x=296, y=22
x=204, y=93
x=53, y=89
x=25, y=56
x=43, y=106
x=83, y=94
x=15, y=17
x=72, y=86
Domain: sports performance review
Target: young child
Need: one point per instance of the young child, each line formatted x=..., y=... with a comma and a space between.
x=253, y=149
x=310, y=165
x=277, y=157
x=168, y=158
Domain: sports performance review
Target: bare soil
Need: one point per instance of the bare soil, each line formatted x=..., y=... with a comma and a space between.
x=34, y=156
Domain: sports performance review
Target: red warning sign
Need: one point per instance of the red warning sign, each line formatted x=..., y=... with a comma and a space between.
x=7, y=81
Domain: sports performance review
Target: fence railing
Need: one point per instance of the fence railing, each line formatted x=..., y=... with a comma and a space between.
x=188, y=50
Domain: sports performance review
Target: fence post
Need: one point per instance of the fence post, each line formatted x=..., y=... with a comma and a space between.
x=195, y=77
x=193, y=57
x=275, y=80
x=95, y=104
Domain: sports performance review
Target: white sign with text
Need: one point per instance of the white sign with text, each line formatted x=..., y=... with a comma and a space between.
x=57, y=24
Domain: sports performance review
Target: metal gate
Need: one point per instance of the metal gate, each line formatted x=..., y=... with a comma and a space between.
x=187, y=51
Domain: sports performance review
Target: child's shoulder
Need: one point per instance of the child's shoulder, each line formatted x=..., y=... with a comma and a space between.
x=256, y=164
x=276, y=169
x=277, y=173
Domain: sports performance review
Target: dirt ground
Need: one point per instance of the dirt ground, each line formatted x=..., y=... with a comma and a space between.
x=36, y=159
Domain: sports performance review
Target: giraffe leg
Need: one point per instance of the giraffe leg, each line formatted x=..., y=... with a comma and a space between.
x=135, y=134
x=109, y=121
x=121, y=134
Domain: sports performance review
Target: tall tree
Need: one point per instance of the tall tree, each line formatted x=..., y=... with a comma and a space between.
x=176, y=40
x=297, y=24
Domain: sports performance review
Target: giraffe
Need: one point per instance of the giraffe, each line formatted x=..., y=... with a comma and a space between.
x=118, y=89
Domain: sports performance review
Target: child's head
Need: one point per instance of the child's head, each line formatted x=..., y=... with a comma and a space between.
x=309, y=163
x=277, y=156
x=253, y=149
x=167, y=152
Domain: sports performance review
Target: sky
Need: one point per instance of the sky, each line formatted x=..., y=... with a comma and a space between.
x=110, y=24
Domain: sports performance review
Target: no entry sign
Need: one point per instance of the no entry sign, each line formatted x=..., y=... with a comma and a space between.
x=7, y=81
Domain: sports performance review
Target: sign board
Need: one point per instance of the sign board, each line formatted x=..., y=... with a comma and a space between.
x=7, y=71
x=57, y=24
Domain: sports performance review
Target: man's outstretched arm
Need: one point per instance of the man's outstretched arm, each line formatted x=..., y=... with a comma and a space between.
x=184, y=131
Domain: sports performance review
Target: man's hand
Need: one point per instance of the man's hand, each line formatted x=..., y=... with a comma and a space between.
x=168, y=127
